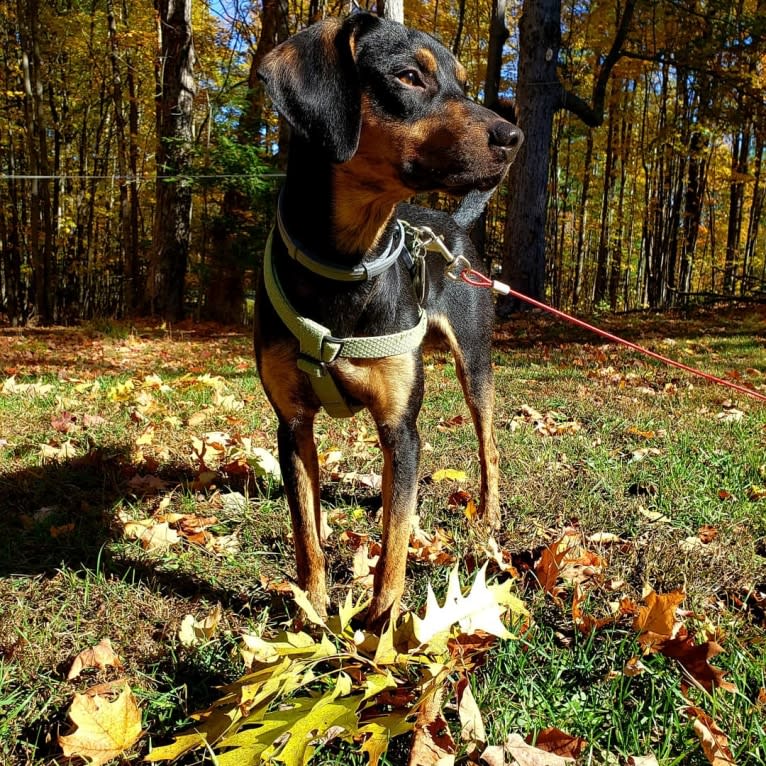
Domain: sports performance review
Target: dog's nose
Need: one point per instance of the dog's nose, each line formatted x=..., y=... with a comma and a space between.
x=505, y=134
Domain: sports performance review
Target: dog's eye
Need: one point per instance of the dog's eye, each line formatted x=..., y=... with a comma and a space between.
x=411, y=78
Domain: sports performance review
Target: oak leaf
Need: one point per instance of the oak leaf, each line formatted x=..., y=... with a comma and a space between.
x=480, y=610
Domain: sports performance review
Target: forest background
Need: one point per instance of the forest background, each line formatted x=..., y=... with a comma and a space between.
x=139, y=160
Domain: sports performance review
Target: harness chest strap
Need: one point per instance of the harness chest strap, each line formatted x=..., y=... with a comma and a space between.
x=318, y=346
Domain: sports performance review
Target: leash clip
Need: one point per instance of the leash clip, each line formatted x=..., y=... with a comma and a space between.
x=458, y=266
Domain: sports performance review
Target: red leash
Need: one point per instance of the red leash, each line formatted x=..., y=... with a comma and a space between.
x=475, y=278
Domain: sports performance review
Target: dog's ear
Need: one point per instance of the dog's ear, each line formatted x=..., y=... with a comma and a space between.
x=312, y=80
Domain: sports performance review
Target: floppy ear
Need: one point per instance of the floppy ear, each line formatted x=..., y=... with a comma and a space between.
x=313, y=82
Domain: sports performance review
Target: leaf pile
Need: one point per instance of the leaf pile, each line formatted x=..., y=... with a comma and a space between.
x=305, y=690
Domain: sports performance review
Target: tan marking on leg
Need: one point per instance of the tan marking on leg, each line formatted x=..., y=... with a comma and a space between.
x=482, y=408
x=383, y=385
x=294, y=401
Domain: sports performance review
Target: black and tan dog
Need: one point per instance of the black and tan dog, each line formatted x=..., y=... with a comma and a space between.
x=378, y=112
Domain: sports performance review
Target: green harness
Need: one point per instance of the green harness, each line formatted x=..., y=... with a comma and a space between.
x=318, y=346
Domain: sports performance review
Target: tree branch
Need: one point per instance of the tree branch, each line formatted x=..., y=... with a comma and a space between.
x=593, y=115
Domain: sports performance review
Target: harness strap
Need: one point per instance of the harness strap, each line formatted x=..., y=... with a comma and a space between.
x=357, y=273
x=318, y=347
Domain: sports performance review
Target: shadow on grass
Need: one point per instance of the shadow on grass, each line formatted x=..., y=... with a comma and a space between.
x=64, y=515
x=526, y=329
x=58, y=514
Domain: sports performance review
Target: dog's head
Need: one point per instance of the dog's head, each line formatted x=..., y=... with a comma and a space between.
x=390, y=100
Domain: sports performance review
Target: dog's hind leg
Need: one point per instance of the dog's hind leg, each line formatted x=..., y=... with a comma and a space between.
x=470, y=346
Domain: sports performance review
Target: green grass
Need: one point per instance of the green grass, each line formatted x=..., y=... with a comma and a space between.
x=68, y=576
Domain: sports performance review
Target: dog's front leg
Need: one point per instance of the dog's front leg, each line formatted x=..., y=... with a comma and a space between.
x=401, y=452
x=300, y=472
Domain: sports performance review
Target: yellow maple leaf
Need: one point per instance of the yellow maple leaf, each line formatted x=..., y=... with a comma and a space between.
x=105, y=728
x=120, y=392
x=448, y=474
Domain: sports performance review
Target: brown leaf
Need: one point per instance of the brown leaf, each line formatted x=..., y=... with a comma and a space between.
x=64, y=422
x=656, y=619
x=432, y=743
x=554, y=740
x=494, y=755
x=471, y=723
x=105, y=727
x=694, y=658
x=523, y=754
x=566, y=559
x=715, y=744
x=453, y=422
x=100, y=656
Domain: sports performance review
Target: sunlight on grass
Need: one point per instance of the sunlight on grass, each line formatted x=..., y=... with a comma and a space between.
x=590, y=437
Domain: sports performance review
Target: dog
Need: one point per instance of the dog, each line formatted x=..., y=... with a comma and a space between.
x=378, y=113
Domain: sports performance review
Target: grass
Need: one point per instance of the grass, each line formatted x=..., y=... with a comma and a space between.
x=653, y=457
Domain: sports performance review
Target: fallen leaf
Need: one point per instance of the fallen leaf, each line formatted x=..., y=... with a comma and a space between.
x=715, y=744
x=523, y=754
x=453, y=422
x=100, y=656
x=104, y=728
x=494, y=755
x=11, y=387
x=642, y=760
x=64, y=422
x=193, y=632
x=695, y=660
x=480, y=610
x=449, y=474
x=656, y=620
x=432, y=743
x=554, y=740
x=732, y=415
x=159, y=536
x=363, y=566
x=471, y=723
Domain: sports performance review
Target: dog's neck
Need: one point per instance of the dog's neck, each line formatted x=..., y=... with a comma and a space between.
x=337, y=215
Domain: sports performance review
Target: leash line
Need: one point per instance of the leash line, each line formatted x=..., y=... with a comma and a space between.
x=475, y=278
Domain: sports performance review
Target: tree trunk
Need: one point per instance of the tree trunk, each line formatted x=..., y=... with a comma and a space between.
x=225, y=288
x=536, y=103
x=125, y=244
x=739, y=151
x=602, y=257
x=582, y=217
x=175, y=134
x=539, y=95
x=40, y=235
x=393, y=10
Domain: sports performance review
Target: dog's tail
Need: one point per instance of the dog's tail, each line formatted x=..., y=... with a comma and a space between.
x=471, y=207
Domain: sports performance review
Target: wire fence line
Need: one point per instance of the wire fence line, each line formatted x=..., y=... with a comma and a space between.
x=132, y=178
